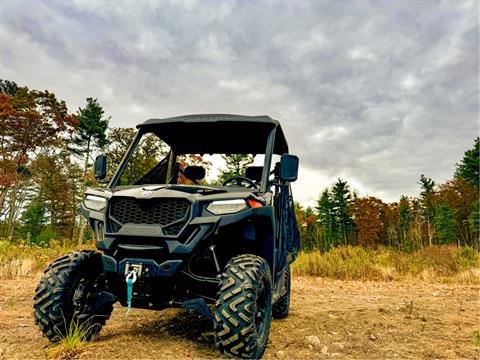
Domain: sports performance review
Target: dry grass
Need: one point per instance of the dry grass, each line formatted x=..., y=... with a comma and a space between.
x=447, y=264
x=20, y=260
x=439, y=263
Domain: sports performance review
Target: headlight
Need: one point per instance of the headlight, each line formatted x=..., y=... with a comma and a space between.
x=221, y=207
x=93, y=202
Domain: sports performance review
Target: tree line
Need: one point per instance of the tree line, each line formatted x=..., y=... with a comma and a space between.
x=46, y=154
x=446, y=213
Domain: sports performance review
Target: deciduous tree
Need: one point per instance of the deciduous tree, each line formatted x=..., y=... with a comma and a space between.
x=30, y=121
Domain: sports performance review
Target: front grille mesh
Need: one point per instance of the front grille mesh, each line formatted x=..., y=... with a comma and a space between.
x=152, y=211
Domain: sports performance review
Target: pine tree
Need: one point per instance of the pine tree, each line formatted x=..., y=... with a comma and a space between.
x=235, y=165
x=427, y=202
x=404, y=218
x=445, y=225
x=91, y=134
x=325, y=217
x=468, y=169
x=342, y=199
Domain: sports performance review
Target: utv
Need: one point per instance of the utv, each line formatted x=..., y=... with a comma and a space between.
x=222, y=250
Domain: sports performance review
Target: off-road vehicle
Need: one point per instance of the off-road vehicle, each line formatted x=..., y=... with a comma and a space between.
x=222, y=250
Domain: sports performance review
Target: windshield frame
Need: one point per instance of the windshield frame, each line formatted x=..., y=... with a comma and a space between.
x=264, y=184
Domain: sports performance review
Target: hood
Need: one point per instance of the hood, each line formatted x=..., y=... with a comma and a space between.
x=191, y=192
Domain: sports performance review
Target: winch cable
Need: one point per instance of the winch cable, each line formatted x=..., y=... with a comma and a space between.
x=130, y=279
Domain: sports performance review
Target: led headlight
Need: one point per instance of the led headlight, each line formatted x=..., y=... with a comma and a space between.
x=221, y=207
x=93, y=202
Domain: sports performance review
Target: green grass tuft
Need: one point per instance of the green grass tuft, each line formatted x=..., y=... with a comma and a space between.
x=69, y=344
x=476, y=338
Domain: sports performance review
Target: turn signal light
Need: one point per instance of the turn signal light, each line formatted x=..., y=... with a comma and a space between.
x=254, y=203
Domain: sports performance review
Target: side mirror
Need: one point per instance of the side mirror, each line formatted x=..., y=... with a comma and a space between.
x=100, y=167
x=288, y=167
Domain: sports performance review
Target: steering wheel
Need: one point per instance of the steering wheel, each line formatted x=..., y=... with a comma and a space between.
x=238, y=181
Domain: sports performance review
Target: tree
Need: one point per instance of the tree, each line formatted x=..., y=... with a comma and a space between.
x=308, y=227
x=333, y=209
x=460, y=197
x=445, y=225
x=91, y=134
x=390, y=218
x=325, y=217
x=404, y=218
x=468, y=169
x=34, y=217
x=235, y=165
x=367, y=214
x=474, y=224
x=428, y=207
x=8, y=87
x=342, y=199
x=58, y=179
x=30, y=122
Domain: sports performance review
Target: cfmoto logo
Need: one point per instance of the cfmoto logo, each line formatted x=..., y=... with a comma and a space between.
x=146, y=193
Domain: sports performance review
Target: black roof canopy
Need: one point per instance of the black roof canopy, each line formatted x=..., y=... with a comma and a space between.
x=217, y=133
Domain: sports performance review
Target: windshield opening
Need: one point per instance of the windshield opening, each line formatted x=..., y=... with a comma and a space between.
x=153, y=162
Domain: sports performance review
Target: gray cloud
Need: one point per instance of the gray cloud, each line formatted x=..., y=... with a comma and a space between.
x=376, y=92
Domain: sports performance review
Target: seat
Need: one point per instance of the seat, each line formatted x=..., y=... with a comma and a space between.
x=194, y=172
x=254, y=173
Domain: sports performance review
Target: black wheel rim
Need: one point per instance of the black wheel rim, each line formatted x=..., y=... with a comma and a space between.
x=79, y=301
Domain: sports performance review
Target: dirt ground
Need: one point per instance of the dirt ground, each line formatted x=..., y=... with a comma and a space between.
x=360, y=320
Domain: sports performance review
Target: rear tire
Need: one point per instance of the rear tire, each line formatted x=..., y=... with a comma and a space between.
x=244, y=308
x=59, y=301
x=282, y=306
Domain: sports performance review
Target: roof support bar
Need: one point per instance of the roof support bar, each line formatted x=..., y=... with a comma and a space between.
x=268, y=160
x=123, y=163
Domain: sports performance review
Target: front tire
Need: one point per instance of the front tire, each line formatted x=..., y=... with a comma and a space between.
x=244, y=308
x=63, y=297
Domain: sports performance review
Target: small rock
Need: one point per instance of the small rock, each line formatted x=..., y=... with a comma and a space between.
x=372, y=337
x=312, y=340
x=325, y=350
x=335, y=355
x=310, y=346
x=338, y=345
x=280, y=354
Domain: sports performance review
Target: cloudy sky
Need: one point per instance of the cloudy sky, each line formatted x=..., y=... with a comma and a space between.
x=375, y=92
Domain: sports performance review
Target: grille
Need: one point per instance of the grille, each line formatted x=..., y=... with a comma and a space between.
x=152, y=211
